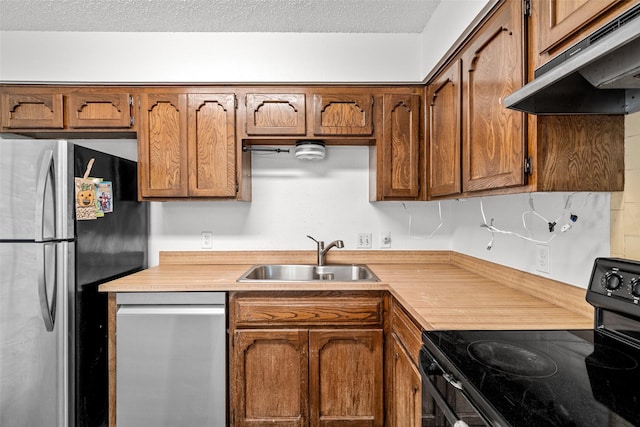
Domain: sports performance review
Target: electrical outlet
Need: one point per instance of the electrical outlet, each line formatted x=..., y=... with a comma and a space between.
x=543, y=261
x=385, y=239
x=206, y=241
x=364, y=240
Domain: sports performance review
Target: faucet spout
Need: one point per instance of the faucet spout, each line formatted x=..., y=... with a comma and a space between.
x=322, y=250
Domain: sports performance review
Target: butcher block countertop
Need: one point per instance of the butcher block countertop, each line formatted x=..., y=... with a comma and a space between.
x=441, y=289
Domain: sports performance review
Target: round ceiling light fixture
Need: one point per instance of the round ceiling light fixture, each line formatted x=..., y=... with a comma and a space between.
x=309, y=150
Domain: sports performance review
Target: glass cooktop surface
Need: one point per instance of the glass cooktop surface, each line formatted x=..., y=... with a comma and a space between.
x=545, y=378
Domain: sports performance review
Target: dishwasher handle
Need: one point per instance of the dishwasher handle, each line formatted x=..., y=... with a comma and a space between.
x=186, y=310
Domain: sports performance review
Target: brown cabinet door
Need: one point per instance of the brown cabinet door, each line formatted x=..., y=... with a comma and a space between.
x=99, y=110
x=32, y=111
x=445, y=132
x=162, y=145
x=269, y=378
x=401, y=146
x=493, y=136
x=345, y=114
x=406, y=410
x=560, y=19
x=212, y=145
x=345, y=378
x=276, y=114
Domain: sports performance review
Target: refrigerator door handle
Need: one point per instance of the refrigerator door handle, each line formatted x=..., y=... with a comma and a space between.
x=48, y=309
x=46, y=171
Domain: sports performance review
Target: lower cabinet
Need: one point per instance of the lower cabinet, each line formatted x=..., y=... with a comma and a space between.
x=406, y=409
x=322, y=365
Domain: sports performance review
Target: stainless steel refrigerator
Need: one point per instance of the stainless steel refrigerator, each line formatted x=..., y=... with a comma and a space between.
x=53, y=320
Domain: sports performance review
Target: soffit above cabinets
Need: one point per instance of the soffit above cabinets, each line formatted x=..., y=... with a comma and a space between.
x=303, y=16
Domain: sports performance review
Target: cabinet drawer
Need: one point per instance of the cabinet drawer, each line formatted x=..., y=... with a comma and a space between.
x=409, y=334
x=254, y=312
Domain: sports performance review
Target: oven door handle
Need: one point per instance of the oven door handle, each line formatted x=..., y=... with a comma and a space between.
x=444, y=406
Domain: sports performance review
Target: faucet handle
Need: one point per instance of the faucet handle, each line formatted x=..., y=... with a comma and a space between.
x=319, y=242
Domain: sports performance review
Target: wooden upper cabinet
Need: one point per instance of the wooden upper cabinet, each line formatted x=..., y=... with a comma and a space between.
x=401, y=146
x=560, y=19
x=494, y=145
x=187, y=145
x=23, y=110
x=346, y=114
x=162, y=145
x=444, y=121
x=275, y=114
x=212, y=145
x=99, y=110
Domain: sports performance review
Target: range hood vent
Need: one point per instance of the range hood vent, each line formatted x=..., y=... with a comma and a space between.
x=598, y=75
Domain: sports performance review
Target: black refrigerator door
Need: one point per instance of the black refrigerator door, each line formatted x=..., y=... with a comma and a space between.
x=107, y=247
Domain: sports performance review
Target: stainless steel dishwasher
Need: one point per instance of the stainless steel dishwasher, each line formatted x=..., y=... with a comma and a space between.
x=171, y=359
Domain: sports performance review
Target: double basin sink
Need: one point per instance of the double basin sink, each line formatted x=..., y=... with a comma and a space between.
x=308, y=273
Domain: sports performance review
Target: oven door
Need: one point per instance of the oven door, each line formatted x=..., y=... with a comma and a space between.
x=444, y=401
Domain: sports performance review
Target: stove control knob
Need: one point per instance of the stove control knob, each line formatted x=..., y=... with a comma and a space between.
x=635, y=287
x=612, y=281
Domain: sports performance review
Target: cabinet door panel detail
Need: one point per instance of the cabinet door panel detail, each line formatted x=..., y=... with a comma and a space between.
x=32, y=111
x=164, y=154
x=401, y=151
x=407, y=390
x=275, y=114
x=94, y=110
x=212, y=145
x=445, y=132
x=494, y=136
x=559, y=19
x=271, y=369
x=343, y=115
x=346, y=377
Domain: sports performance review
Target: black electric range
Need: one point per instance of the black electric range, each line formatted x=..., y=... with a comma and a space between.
x=550, y=377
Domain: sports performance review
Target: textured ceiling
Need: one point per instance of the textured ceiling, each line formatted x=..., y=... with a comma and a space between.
x=324, y=16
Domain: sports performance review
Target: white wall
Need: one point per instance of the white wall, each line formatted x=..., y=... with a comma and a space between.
x=291, y=199
x=208, y=57
x=326, y=199
x=448, y=22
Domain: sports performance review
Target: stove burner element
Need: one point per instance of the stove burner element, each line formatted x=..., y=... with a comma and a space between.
x=609, y=358
x=512, y=359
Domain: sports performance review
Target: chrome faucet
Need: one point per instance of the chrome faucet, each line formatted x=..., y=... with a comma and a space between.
x=322, y=251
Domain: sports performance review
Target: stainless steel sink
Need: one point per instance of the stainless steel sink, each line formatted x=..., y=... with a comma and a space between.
x=308, y=273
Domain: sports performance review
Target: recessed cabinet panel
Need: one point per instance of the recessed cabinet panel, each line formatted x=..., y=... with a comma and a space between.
x=401, y=146
x=445, y=132
x=25, y=111
x=212, y=152
x=344, y=114
x=270, y=385
x=559, y=19
x=97, y=110
x=162, y=148
x=493, y=137
x=345, y=377
x=276, y=114
x=407, y=391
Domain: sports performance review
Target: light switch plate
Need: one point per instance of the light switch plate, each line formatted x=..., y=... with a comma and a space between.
x=364, y=241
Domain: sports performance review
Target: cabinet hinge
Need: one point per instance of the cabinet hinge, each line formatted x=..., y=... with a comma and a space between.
x=237, y=188
x=131, y=121
x=527, y=8
x=528, y=166
x=131, y=103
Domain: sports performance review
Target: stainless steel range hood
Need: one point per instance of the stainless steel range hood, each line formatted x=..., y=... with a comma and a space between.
x=599, y=75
